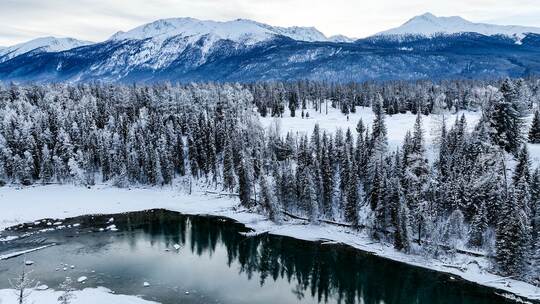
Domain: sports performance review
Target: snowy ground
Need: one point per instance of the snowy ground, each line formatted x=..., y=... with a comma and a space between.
x=397, y=125
x=85, y=296
x=61, y=201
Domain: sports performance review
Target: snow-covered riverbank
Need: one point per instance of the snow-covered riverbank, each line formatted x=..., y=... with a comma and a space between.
x=29, y=204
x=85, y=296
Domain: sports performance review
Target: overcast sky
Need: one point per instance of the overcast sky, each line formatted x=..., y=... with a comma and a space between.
x=96, y=20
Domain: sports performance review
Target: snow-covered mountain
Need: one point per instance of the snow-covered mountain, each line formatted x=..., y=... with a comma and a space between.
x=240, y=31
x=341, y=38
x=429, y=25
x=44, y=44
x=187, y=49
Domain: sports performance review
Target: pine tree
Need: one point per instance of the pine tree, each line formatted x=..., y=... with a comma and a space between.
x=401, y=236
x=315, y=141
x=344, y=173
x=535, y=271
x=229, y=179
x=535, y=235
x=167, y=165
x=306, y=194
x=267, y=201
x=535, y=202
x=523, y=165
x=180, y=157
x=293, y=103
x=379, y=141
x=360, y=158
x=244, y=184
x=506, y=120
x=193, y=155
x=351, y=188
x=513, y=237
x=27, y=169
x=534, y=133
x=416, y=176
x=156, y=176
x=377, y=188
x=287, y=187
x=360, y=128
x=327, y=178
x=478, y=226
x=46, y=171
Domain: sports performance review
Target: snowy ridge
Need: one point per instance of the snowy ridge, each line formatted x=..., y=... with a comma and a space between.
x=240, y=30
x=45, y=44
x=341, y=38
x=429, y=25
x=163, y=40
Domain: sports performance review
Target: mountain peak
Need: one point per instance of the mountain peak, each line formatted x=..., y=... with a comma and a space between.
x=239, y=30
x=427, y=15
x=45, y=44
x=341, y=38
x=428, y=25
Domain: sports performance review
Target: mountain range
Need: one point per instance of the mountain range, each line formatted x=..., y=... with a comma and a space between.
x=429, y=25
x=187, y=49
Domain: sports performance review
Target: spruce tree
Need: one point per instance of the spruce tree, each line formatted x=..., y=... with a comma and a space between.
x=327, y=178
x=506, y=121
x=344, y=173
x=229, y=179
x=523, y=166
x=379, y=141
x=360, y=128
x=244, y=184
x=306, y=193
x=534, y=131
x=180, y=157
x=46, y=171
x=416, y=176
x=513, y=236
x=351, y=188
x=267, y=201
x=288, y=187
x=402, y=235
x=478, y=226
x=193, y=155
x=535, y=201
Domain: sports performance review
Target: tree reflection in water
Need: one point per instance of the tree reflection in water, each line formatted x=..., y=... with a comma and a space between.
x=329, y=273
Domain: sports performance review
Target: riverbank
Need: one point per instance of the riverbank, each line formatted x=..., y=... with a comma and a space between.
x=26, y=205
x=84, y=296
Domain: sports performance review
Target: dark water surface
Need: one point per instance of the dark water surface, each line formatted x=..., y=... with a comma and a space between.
x=217, y=264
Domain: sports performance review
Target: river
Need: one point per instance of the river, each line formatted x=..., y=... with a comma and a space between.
x=198, y=259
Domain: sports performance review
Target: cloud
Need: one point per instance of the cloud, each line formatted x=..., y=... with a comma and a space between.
x=96, y=20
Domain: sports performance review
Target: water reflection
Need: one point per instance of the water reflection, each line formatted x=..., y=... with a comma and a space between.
x=217, y=263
